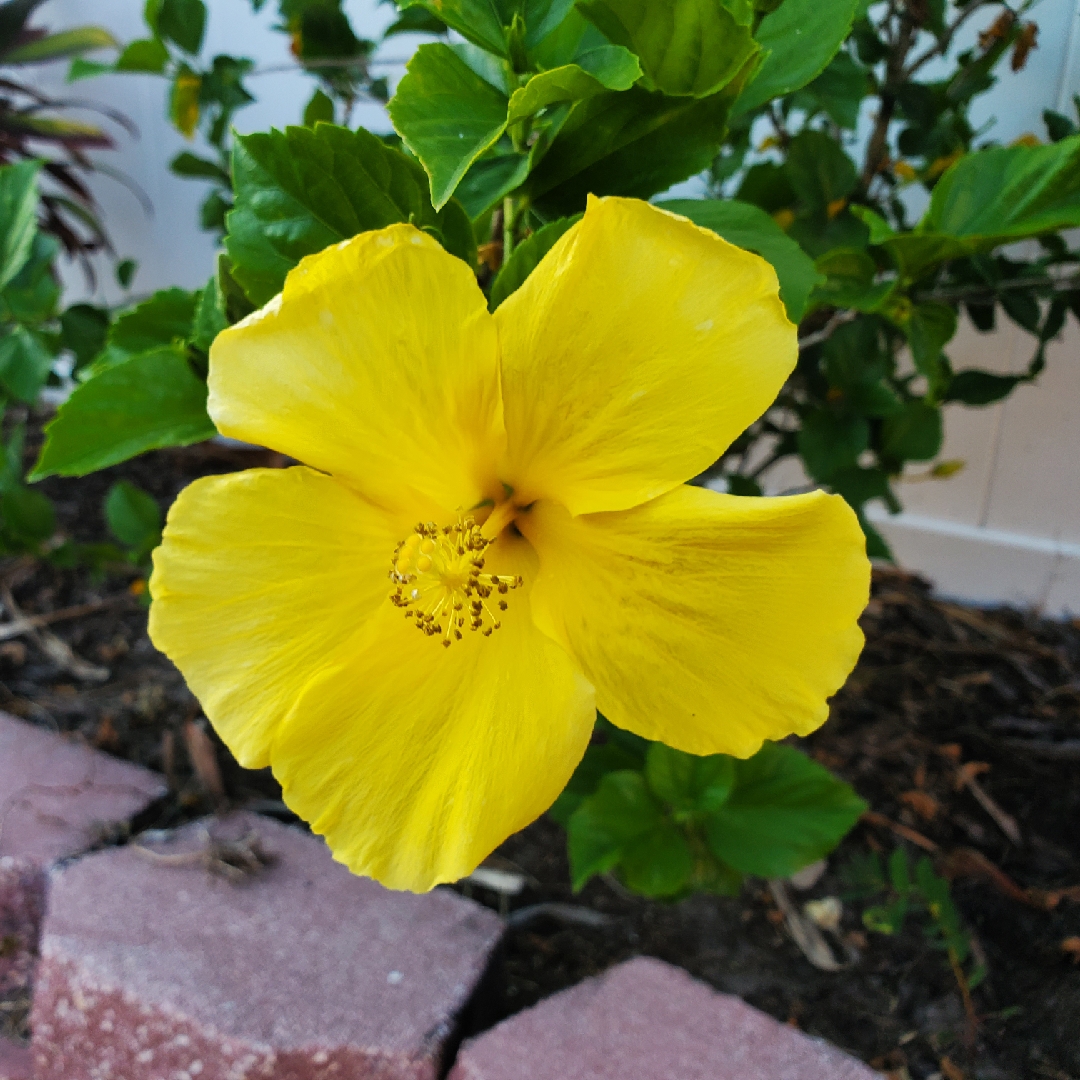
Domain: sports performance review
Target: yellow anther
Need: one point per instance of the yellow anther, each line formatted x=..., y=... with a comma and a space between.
x=437, y=571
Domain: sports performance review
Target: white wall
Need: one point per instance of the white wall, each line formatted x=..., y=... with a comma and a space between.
x=168, y=245
x=1007, y=527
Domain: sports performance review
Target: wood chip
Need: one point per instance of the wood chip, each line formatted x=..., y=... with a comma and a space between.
x=203, y=757
x=871, y=817
x=806, y=935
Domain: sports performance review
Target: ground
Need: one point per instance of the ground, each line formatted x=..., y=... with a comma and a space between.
x=958, y=726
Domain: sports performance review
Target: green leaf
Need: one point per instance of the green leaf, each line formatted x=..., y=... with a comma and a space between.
x=622, y=826
x=18, y=216
x=133, y=517
x=525, y=258
x=212, y=211
x=143, y=403
x=914, y=434
x=743, y=485
x=850, y=282
x=163, y=319
x=572, y=83
x=784, y=812
x=859, y=486
x=749, y=227
x=210, y=315
x=188, y=164
x=495, y=175
x=633, y=143
x=125, y=272
x=930, y=328
x=856, y=368
x=185, y=98
x=72, y=42
x=542, y=18
x=300, y=190
x=87, y=69
x=25, y=363
x=819, y=171
x=447, y=115
x=658, y=863
x=840, y=89
x=622, y=810
x=686, y=47
x=993, y=197
x=183, y=22
x=32, y=294
x=800, y=38
x=415, y=20
x=83, y=330
x=880, y=229
x=234, y=301
x=1009, y=192
x=146, y=55
x=829, y=442
x=1058, y=127
x=11, y=462
x=599, y=760
x=478, y=21
x=320, y=107
x=974, y=387
x=688, y=782
x=28, y=515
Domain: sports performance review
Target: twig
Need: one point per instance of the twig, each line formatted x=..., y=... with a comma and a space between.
x=871, y=817
x=26, y=623
x=203, y=758
x=878, y=143
x=1067, y=750
x=970, y=863
x=828, y=329
x=946, y=40
x=971, y=1028
x=1004, y=821
x=232, y=859
x=807, y=936
x=965, y=777
x=59, y=652
x=566, y=913
x=1057, y=284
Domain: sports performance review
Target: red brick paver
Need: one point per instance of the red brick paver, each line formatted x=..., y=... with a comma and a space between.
x=22, y=907
x=646, y=1020
x=153, y=969
x=15, y=1061
x=57, y=798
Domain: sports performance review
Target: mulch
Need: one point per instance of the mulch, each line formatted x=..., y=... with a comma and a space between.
x=960, y=727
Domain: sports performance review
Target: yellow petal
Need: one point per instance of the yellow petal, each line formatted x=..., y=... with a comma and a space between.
x=633, y=355
x=706, y=621
x=378, y=364
x=415, y=761
x=262, y=578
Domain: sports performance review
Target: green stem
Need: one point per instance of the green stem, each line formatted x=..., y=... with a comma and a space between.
x=509, y=216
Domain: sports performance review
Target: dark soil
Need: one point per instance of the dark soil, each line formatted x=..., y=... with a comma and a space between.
x=938, y=688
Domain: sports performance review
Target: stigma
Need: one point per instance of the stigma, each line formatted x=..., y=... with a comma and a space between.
x=439, y=580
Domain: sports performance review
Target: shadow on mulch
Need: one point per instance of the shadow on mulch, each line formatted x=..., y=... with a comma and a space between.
x=943, y=695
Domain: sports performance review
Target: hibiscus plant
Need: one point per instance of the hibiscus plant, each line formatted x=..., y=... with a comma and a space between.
x=512, y=382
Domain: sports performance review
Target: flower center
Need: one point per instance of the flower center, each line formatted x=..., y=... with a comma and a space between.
x=439, y=580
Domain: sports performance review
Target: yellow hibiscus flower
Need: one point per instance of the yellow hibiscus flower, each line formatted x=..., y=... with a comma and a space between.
x=513, y=486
